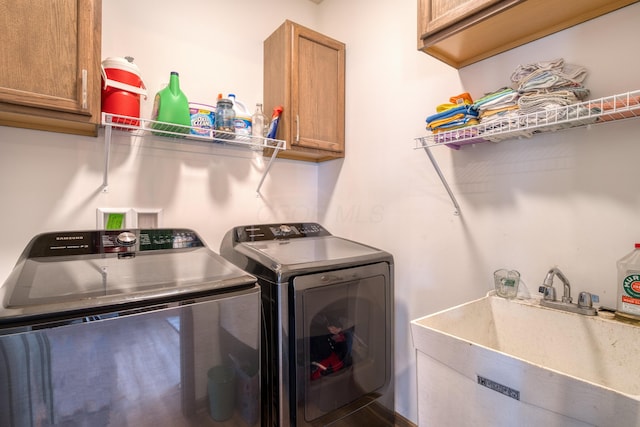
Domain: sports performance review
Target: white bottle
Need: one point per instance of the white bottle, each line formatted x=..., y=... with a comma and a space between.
x=243, y=117
x=629, y=284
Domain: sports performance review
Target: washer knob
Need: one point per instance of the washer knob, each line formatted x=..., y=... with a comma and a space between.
x=126, y=238
x=285, y=229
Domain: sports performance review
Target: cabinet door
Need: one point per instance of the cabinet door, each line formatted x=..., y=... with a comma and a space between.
x=49, y=63
x=317, y=78
x=435, y=15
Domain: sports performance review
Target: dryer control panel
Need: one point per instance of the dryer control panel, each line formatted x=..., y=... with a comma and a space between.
x=254, y=233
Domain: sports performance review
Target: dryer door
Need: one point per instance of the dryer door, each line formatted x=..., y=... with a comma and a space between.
x=342, y=342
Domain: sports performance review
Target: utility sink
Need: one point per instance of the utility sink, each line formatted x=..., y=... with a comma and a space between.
x=496, y=362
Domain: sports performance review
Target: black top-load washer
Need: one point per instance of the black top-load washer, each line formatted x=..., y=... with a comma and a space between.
x=129, y=327
x=328, y=324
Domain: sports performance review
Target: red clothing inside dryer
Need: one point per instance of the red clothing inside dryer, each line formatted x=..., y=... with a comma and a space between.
x=330, y=352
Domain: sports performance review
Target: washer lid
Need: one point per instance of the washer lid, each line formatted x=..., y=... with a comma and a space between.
x=72, y=271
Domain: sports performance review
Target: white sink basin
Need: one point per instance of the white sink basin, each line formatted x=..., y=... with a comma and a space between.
x=513, y=360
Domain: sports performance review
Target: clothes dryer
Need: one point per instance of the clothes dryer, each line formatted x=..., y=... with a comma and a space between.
x=328, y=324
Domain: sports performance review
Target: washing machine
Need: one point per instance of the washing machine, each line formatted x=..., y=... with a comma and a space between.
x=327, y=343
x=130, y=327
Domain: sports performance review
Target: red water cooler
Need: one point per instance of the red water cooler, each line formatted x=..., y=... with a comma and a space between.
x=122, y=88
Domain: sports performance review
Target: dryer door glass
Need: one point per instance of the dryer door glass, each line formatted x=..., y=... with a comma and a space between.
x=341, y=339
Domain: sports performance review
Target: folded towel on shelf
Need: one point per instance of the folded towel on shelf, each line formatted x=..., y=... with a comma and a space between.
x=504, y=130
x=493, y=127
x=548, y=76
x=545, y=79
x=545, y=111
x=579, y=91
x=542, y=79
x=456, y=124
x=434, y=124
x=462, y=109
x=489, y=115
x=530, y=103
x=577, y=73
x=522, y=71
x=455, y=102
x=444, y=107
x=504, y=97
x=452, y=117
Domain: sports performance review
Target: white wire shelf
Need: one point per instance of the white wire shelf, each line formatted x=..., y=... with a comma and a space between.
x=609, y=108
x=602, y=110
x=141, y=127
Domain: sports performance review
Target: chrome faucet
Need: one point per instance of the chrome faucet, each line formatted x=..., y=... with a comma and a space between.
x=584, y=306
x=550, y=291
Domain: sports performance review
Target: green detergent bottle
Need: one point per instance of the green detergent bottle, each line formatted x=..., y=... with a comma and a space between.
x=171, y=107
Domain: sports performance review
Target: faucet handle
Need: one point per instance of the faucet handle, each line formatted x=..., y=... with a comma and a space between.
x=585, y=300
x=549, y=292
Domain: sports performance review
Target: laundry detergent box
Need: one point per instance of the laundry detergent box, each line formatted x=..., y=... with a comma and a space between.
x=203, y=117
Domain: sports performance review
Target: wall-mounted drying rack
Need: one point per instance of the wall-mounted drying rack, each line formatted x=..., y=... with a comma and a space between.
x=183, y=135
x=601, y=110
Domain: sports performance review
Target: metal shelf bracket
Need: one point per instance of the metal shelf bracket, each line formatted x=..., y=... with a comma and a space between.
x=457, y=211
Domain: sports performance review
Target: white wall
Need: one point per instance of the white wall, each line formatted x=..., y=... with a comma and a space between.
x=568, y=199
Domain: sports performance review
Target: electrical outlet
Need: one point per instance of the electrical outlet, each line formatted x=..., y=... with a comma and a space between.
x=148, y=218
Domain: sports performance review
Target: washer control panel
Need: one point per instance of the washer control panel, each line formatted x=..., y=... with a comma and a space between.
x=253, y=233
x=68, y=243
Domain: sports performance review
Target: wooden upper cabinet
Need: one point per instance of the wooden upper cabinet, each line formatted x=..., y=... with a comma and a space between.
x=50, y=65
x=462, y=32
x=304, y=71
x=439, y=14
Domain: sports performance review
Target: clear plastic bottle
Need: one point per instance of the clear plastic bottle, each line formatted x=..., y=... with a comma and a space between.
x=225, y=117
x=629, y=284
x=259, y=123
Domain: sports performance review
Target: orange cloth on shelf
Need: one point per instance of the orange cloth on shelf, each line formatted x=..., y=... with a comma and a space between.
x=608, y=107
x=463, y=98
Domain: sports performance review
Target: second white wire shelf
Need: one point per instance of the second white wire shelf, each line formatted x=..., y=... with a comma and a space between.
x=141, y=127
x=601, y=110
x=609, y=108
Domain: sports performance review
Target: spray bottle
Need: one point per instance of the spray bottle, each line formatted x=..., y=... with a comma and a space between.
x=275, y=119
